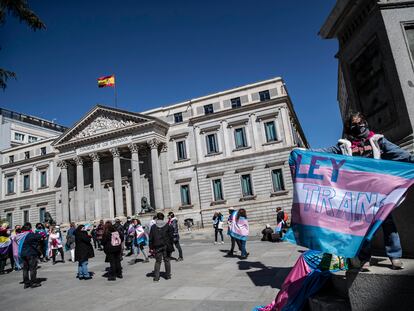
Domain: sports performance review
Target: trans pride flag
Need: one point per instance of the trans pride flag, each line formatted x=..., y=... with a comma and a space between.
x=238, y=228
x=340, y=201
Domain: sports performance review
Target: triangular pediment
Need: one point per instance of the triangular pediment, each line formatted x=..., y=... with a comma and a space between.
x=102, y=120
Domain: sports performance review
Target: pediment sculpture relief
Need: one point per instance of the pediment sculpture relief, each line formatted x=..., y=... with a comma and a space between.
x=102, y=124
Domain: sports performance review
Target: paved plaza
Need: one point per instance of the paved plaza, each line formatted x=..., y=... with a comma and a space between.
x=205, y=280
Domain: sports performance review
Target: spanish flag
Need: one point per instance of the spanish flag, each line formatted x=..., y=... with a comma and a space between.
x=106, y=81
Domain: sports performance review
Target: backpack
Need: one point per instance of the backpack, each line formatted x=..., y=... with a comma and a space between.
x=115, y=239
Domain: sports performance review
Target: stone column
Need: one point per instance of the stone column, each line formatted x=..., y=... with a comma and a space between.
x=255, y=136
x=64, y=190
x=119, y=206
x=226, y=144
x=80, y=189
x=198, y=137
x=165, y=182
x=96, y=185
x=136, y=178
x=156, y=174
x=128, y=199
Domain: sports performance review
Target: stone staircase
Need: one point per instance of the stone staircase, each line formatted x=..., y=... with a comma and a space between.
x=379, y=289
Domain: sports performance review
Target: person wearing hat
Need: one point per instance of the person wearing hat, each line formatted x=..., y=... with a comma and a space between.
x=233, y=240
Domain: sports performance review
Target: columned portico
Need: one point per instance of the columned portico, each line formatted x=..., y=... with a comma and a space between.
x=64, y=189
x=106, y=147
x=96, y=185
x=119, y=206
x=80, y=189
x=136, y=177
x=156, y=174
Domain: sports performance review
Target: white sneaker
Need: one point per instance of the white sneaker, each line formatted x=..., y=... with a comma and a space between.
x=215, y=243
x=222, y=242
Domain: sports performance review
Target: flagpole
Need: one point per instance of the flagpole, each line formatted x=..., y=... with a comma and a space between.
x=116, y=103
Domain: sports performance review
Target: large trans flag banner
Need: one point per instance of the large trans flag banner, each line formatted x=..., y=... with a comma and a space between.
x=339, y=201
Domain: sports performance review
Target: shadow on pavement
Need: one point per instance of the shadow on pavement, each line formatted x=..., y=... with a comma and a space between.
x=264, y=275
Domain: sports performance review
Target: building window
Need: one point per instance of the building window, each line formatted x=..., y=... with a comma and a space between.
x=11, y=159
x=42, y=212
x=185, y=195
x=18, y=136
x=208, y=109
x=10, y=185
x=264, y=95
x=26, y=182
x=178, y=117
x=181, y=151
x=27, y=154
x=9, y=218
x=26, y=217
x=246, y=184
x=270, y=130
x=32, y=139
x=235, y=102
x=43, y=151
x=211, y=141
x=240, y=138
x=409, y=30
x=217, y=190
x=277, y=180
x=43, y=179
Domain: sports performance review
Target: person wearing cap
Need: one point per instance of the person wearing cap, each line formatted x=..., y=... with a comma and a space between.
x=233, y=240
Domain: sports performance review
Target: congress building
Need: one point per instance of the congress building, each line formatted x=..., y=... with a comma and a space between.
x=228, y=149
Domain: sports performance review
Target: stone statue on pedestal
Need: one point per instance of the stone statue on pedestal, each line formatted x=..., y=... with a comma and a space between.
x=49, y=219
x=145, y=206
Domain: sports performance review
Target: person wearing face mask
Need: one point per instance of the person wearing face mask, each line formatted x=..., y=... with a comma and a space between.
x=360, y=141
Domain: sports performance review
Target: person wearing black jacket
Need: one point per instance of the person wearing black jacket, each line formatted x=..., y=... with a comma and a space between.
x=29, y=255
x=83, y=251
x=161, y=242
x=113, y=252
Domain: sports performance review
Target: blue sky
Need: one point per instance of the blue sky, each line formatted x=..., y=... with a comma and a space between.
x=164, y=52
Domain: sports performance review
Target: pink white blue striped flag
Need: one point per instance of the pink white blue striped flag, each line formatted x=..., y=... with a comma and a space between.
x=339, y=201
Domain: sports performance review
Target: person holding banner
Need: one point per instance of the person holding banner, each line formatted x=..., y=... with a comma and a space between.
x=361, y=141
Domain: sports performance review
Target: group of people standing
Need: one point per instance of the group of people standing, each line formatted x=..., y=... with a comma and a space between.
x=25, y=247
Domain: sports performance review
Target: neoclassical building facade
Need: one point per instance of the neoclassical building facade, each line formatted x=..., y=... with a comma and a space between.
x=228, y=149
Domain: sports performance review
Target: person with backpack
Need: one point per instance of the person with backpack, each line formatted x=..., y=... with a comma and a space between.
x=111, y=242
x=83, y=251
x=161, y=242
